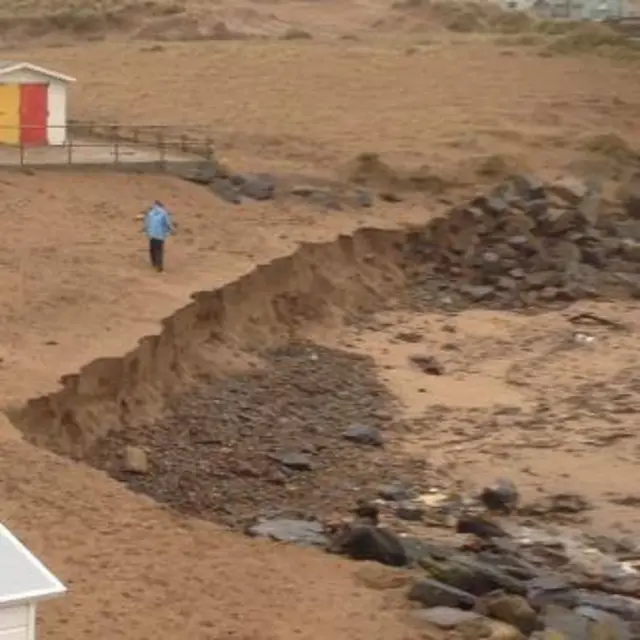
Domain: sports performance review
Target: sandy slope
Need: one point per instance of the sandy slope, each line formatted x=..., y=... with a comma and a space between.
x=75, y=286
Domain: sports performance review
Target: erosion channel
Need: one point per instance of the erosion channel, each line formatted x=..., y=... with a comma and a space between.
x=272, y=395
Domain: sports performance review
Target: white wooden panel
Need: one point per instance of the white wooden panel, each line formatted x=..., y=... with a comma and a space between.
x=11, y=617
x=19, y=633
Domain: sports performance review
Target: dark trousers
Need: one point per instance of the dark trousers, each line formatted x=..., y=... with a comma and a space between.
x=156, y=253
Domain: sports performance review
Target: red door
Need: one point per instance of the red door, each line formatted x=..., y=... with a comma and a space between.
x=33, y=114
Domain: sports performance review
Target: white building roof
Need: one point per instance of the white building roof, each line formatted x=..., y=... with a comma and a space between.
x=22, y=576
x=7, y=66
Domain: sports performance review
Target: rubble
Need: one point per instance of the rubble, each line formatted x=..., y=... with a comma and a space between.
x=526, y=244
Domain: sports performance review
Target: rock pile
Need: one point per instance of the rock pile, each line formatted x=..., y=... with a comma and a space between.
x=527, y=243
x=235, y=188
x=510, y=581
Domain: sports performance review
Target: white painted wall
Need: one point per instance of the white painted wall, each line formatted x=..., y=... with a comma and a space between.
x=57, y=118
x=17, y=622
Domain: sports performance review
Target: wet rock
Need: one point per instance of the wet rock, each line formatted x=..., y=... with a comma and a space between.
x=135, y=460
x=361, y=541
x=301, y=532
x=225, y=191
x=501, y=496
x=444, y=617
x=512, y=609
x=486, y=628
x=364, y=434
x=433, y=593
x=259, y=186
x=428, y=365
x=294, y=461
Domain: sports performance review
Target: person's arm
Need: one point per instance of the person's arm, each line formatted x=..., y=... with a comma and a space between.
x=145, y=223
x=169, y=222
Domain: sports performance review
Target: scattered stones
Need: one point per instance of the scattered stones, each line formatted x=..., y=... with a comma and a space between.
x=364, y=434
x=135, y=460
x=501, y=496
x=428, y=365
x=520, y=247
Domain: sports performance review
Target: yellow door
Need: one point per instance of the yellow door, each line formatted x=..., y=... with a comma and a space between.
x=9, y=114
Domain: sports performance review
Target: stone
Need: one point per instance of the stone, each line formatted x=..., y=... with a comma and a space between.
x=478, y=292
x=364, y=434
x=361, y=541
x=204, y=174
x=500, y=496
x=486, y=628
x=225, y=191
x=412, y=511
x=433, y=593
x=528, y=187
x=394, y=492
x=135, y=460
x=551, y=589
x=295, y=461
x=363, y=198
x=512, y=609
x=301, y=532
x=444, y=617
x=258, y=186
x=571, y=190
x=427, y=364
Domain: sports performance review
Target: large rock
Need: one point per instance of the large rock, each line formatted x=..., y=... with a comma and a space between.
x=364, y=434
x=302, y=532
x=135, y=460
x=512, y=609
x=501, y=496
x=433, y=593
x=361, y=541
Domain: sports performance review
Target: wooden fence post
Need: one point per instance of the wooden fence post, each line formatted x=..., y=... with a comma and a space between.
x=116, y=152
x=70, y=151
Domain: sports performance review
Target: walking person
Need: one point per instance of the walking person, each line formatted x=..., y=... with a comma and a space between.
x=158, y=226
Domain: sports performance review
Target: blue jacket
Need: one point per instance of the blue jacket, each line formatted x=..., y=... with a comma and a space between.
x=158, y=224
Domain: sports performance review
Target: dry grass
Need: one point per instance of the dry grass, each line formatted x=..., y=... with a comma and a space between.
x=314, y=105
x=598, y=39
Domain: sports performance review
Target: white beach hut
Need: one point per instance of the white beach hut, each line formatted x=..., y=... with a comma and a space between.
x=24, y=582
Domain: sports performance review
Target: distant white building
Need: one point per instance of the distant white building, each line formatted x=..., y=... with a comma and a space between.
x=570, y=9
x=24, y=581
